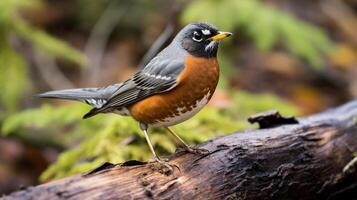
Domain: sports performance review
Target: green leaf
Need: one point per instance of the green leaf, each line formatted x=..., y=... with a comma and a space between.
x=10, y=8
x=13, y=76
x=44, y=116
x=266, y=26
x=14, y=80
x=48, y=43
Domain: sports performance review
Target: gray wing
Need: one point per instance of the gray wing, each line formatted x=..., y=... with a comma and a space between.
x=157, y=77
x=96, y=97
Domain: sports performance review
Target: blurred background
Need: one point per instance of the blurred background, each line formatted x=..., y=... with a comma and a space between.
x=299, y=57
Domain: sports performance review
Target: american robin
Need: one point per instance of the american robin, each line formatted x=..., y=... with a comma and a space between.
x=173, y=86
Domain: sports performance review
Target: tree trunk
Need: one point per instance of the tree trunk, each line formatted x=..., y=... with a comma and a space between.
x=308, y=158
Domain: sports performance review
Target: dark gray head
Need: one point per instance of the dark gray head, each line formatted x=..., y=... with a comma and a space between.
x=200, y=39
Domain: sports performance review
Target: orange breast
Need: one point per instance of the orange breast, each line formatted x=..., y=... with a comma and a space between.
x=198, y=79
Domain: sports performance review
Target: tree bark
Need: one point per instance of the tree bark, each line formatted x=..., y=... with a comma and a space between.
x=307, y=158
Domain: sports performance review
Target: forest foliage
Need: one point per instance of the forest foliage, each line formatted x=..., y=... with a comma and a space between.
x=268, y=27
x=112, y=138
x=14, y=77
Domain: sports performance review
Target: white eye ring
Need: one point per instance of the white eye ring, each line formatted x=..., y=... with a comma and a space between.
x=195, y=35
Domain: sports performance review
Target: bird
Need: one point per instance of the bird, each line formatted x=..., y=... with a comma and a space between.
x=175, y=85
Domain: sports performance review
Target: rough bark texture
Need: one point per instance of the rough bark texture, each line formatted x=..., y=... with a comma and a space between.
x=305, y=159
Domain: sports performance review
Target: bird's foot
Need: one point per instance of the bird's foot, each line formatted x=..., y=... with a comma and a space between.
x=162, y=166
x=195, y=150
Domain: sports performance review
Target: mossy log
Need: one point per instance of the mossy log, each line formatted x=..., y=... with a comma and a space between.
x=305, y=158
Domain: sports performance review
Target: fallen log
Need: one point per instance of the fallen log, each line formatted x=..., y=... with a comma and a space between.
x=307, y=158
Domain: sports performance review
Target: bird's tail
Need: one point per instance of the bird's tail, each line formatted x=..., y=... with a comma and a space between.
x=70, y=94
x=96, y=97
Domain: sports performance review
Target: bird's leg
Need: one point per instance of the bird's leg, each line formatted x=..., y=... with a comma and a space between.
x=165, y=166
x=185, y=146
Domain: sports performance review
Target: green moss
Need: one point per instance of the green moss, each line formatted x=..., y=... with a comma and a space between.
x=105, y=137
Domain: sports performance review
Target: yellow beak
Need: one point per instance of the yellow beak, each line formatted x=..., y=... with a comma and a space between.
x=220, y=36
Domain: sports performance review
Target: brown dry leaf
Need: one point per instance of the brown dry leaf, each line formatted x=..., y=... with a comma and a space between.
x=307, y=98
x=47, y=13
x=345, y=56
x=281, y=63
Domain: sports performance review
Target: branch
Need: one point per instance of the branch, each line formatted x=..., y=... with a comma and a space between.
x=50, y=72
x=310, y=158
x=98, y=39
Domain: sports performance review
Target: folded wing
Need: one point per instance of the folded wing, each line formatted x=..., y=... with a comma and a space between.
x=153, y=79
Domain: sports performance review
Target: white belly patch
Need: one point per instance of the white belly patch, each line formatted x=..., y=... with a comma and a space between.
x=122, y=111
x=183, y=116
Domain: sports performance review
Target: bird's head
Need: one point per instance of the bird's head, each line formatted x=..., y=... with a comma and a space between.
x=200, y=39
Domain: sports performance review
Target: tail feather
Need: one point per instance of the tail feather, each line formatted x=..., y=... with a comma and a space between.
x=93, y=96
x=71, y=94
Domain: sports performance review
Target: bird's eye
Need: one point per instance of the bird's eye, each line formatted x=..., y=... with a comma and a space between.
x=197, y=36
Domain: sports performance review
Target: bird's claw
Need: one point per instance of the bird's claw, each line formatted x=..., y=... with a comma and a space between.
x=162, y=166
